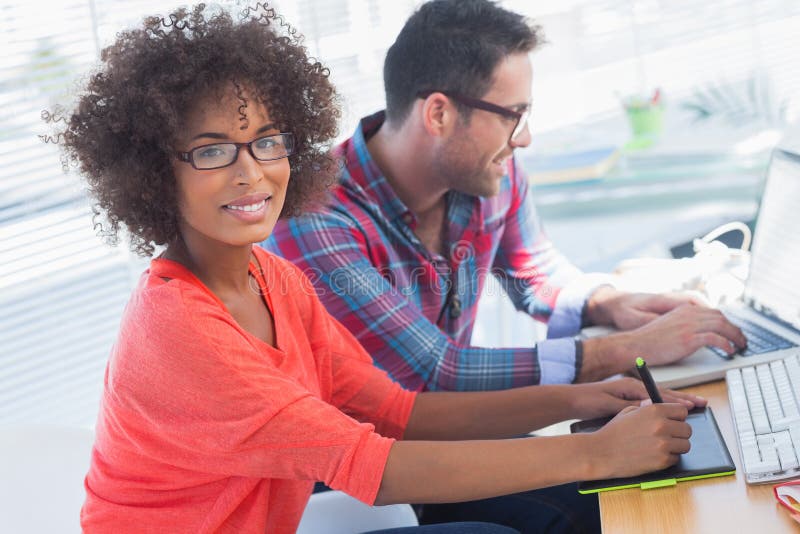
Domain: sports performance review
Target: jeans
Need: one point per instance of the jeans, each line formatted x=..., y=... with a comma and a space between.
x=554, y=509
x=449, y=528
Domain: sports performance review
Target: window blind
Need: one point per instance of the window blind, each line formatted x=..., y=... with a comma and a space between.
x=351, y=37
x=62, y=289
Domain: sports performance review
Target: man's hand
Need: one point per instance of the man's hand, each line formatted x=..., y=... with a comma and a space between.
x=667, y=339
x=600, y=399
x=681, y=332
x=626, y=311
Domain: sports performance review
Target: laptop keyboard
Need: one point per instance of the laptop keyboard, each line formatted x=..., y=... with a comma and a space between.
x=759, y=339
x=766, y=414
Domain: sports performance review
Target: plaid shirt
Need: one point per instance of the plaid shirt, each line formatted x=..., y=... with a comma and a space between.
x=414, y=310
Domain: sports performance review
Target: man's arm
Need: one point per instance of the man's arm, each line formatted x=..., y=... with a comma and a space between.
x=664, y=340
x=530, y=268
x=664, y=328
x=333, y=253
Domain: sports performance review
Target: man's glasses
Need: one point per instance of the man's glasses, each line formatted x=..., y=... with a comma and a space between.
x=520, y=116
x=218, y=155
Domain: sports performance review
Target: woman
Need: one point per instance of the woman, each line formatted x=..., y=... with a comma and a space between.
x=230, y=389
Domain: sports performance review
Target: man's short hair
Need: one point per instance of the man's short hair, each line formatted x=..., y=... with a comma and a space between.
x=452, y=45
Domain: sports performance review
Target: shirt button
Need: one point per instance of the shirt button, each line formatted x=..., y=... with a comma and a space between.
x=408, y=218
x=455, y=308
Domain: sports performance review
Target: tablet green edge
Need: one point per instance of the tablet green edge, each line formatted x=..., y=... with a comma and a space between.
x=657, y=483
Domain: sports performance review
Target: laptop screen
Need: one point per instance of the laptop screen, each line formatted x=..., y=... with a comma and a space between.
x=773, y=284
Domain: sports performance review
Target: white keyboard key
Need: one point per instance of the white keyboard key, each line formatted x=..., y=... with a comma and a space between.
x=765, y=441
x=766, y=466
x=794, y=432
x=761, y=423
x=793, y=370
x=785, y=449
x=767, y=385
x=784, y=389
x=787, y=458
x=769, y=455
x=784, y=423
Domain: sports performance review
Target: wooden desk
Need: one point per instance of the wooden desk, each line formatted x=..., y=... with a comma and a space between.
x=724, y=504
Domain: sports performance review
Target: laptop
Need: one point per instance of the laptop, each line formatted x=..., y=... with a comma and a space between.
x=769, y=313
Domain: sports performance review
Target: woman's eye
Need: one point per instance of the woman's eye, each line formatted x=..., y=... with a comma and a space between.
x=266, y=143
x=210, y=152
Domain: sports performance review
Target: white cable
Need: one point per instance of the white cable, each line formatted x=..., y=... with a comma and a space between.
x=747, y=235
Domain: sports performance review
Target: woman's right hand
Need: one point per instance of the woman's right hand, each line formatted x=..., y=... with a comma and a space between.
x=640, y=440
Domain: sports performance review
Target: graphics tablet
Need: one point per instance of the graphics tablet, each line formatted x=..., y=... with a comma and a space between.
x=708, y=457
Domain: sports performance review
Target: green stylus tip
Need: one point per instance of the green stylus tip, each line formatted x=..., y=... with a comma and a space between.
x=639, y=362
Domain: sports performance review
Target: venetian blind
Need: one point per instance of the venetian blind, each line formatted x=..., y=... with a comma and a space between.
x=62, y=289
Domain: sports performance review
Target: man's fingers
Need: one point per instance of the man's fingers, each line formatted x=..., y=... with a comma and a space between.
x=707, y=320
x=668, y=302
x=697, y=298
x=643, y=317
x=671, y=301
x=710, y=339
x=725, y=329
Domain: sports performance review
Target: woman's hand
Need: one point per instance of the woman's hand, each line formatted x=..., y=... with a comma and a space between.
x=600, y=399
x=640, y=440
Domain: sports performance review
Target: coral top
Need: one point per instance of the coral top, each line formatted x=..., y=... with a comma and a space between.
x=204, y=427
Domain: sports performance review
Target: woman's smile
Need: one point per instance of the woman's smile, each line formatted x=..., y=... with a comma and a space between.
x=250, y=208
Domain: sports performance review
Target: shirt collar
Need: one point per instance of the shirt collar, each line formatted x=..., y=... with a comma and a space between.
x=364, y=172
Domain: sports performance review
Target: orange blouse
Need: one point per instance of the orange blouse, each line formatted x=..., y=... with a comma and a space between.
x=204, y=427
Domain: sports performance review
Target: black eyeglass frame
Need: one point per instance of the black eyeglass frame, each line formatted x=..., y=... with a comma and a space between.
x=288, y=143
x=520, y=116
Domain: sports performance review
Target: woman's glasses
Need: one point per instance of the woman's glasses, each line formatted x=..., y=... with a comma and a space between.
x=219, y=155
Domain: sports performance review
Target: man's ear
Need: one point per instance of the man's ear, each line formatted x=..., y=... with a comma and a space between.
x=438, y=115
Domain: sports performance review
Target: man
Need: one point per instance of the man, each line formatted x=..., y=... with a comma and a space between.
x=429, y=202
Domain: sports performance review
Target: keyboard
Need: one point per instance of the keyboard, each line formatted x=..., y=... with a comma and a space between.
x=759, y=339
x=766, y=415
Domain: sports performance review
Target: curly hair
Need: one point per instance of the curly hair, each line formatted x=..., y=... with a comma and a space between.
x=122, y=131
